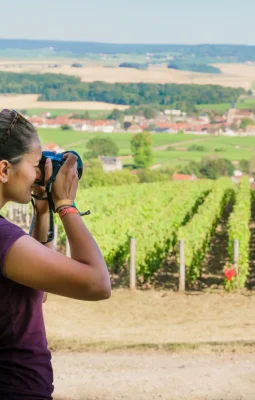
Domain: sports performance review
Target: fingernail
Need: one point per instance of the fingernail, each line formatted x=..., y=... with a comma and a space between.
x=47, y=160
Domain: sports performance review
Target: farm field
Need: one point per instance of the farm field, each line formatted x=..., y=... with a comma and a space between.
x=93, y=114
x=248, y=103
x=29, y=101
x=233, y=148
x=165, y=157
x=208, y=215
x=78, y=140
x=235, y=75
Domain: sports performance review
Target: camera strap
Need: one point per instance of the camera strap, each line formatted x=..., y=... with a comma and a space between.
x=52, y=210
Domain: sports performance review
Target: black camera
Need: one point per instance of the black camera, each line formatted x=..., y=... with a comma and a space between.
x=57, y=162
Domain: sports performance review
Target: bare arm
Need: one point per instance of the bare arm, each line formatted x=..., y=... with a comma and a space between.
x=40, y=232
x=83, y=277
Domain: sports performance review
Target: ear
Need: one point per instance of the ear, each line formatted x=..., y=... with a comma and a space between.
x=4, y=170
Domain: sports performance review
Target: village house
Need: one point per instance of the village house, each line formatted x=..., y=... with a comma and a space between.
x=236, y=116
x=134, y=129
x=111, y=164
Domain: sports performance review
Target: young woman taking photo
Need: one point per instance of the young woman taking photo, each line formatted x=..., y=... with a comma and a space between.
x=29, y=270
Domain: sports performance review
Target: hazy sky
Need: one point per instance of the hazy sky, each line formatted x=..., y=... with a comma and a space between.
x=130, y=21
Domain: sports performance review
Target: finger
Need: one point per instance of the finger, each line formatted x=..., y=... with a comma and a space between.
x=48, y=170
x=70, y=161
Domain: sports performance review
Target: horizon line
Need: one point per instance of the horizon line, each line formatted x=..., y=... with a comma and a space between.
x=129, y=43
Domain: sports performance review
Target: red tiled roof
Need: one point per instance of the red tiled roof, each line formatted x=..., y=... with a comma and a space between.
x=183, y=177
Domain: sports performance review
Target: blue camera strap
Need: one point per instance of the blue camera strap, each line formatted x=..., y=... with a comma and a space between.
x=52, y=210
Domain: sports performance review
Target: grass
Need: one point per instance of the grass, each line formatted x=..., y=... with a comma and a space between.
x=74, y=140
x=163, y=157
x=246, y=103
x=64, y=138
x=78, y=346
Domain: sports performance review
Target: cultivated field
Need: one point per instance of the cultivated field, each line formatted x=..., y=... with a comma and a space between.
x=235, y=75
x=25, y=101
x=233, y=148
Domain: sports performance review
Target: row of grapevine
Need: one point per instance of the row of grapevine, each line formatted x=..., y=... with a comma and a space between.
x=151, y=213
x=238, y=228
x=198, y=232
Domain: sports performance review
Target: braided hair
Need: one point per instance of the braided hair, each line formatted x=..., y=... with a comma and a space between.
x=16, y=140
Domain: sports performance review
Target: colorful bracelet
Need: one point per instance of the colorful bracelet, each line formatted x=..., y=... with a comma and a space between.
x=65, y=202
x=62, y=208
x=68, y=210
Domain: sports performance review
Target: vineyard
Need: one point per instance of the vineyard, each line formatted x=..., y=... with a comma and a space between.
x=161, y=215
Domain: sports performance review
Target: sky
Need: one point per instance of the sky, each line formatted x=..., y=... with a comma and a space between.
x=131, y=21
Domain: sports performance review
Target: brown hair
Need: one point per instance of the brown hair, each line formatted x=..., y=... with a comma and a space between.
x=20, y=139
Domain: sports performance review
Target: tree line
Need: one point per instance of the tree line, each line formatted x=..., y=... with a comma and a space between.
x=194, y=67
x=227, y=52
x=58, y=87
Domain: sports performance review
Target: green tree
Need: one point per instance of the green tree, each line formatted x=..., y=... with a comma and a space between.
x=101, y=147
x=116, y=115
x=152, y=127
x=215, y=168
x=246, y=122
x=141, y=148
x=65, y=127
x=150, y=113
x=244, y=166
x=146, y=175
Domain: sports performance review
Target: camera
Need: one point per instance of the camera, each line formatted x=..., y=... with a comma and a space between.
x=57, y=162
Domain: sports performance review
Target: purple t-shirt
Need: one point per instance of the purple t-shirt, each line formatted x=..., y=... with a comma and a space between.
x=25, y=361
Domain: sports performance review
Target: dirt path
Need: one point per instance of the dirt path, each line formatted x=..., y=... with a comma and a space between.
x=217, y=255
x=165, y=146
x=152, y=375
x=76, y=143
x=158, y=148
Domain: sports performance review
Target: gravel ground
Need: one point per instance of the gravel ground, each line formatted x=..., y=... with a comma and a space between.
x=153, y=375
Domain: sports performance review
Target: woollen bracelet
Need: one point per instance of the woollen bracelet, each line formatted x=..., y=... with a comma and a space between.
x=67, y=210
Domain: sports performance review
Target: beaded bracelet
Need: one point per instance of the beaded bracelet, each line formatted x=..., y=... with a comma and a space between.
x=68, y=210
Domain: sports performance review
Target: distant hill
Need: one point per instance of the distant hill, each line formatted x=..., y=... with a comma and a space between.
x=210, y=52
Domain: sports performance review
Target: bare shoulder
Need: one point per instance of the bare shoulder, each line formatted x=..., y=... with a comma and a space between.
x=30, y=263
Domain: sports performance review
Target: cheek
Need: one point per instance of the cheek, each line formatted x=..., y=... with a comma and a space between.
x=27, y=175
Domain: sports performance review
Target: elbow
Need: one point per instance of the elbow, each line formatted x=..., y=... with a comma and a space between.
x=101, y=292
x=102, y=289
x=105, y=290
x=105, y=293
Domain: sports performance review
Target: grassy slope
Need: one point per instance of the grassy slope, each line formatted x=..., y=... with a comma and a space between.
x=223, y=107
x=227, y=144
x=63, y=138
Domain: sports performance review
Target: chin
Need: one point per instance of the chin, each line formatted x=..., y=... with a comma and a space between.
x=23, y=200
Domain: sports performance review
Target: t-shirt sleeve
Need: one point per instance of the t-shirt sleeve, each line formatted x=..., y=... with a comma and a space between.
x=9, y=233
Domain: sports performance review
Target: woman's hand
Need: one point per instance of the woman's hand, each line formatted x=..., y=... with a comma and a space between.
x=42, y=206
x=66, y=183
